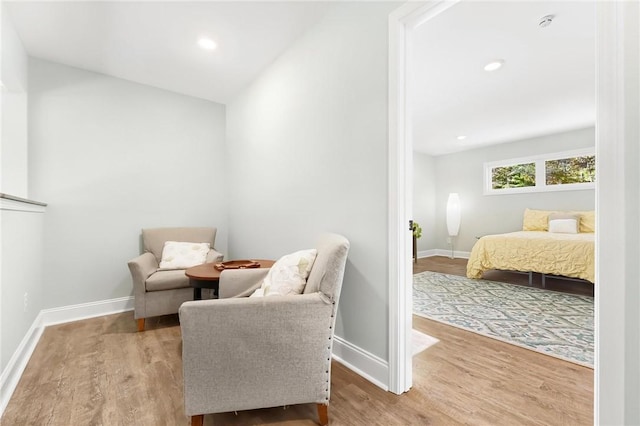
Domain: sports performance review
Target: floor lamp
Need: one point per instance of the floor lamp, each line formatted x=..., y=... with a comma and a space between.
x=453, y=217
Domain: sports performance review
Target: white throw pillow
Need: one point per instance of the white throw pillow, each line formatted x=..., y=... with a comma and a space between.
x=288, y=275
x=179, y=255
x=563, y=226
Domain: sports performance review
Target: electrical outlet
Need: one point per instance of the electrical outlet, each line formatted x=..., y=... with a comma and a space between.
x=448, y=240
x=26, y=301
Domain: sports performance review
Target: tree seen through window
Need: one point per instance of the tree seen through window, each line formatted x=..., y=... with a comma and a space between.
x=516, y=176
x=571, y=170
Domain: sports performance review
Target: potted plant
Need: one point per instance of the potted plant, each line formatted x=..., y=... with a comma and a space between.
x=417, y=233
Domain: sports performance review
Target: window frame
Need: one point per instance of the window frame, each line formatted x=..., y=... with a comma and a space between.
x=541, y=184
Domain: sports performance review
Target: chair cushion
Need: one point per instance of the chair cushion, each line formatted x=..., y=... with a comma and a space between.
x=182, y=255
x=167, y=280
x=288, y=275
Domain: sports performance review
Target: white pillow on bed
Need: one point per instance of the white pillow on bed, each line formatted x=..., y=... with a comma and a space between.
x=563, y=223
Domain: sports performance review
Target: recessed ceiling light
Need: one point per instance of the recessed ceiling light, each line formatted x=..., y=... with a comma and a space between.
x=461, y=137
x=207, y=43
x=494, y=65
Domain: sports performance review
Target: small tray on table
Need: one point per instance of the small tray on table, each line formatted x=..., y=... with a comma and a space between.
x=237, y=264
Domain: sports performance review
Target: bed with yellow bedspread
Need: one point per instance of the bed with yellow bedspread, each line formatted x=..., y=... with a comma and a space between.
x=569, y=255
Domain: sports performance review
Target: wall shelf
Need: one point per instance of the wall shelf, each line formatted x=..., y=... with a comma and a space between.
x=11, y=202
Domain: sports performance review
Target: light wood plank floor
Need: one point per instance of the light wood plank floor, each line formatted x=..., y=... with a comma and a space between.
x=102, y=372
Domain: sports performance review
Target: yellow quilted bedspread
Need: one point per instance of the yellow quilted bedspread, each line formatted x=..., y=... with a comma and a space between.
x=570, y=255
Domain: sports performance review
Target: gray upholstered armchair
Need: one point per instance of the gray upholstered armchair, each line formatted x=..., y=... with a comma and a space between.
x=243, y=353
x=162, y=292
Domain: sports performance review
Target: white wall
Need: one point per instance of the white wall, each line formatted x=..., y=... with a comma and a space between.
x=13, y=99
x=308, y=153
x=21, y=230
x=489, y=214
x=424, y=199
x=111, y=157
x=22, y=259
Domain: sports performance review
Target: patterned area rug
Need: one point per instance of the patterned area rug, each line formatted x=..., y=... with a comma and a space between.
x=553, y=323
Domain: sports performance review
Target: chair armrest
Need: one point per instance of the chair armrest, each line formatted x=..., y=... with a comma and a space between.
x=240, y=282
x=214, y=256
x=246, y=353
x=141, y=268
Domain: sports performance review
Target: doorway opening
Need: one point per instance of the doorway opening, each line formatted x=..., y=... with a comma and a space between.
x=402, y=23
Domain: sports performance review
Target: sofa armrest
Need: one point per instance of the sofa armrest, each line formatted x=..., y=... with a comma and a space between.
x=240, y=282
x=214, y=256
x=141, y=268
x=277, y=347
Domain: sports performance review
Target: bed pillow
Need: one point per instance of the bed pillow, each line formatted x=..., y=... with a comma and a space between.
x=564, y=223
x=587, y=220
x=536, y=220
x=180, y=255
x=288, y=275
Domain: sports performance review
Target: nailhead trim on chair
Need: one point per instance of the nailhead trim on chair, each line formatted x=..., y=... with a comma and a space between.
x=329, y=359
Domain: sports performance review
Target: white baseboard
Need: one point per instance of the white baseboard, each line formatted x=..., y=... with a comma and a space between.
x=456, y=254
x=428, y=253
x=86, y=310
x=443, y=252
x=15, y=367
x=13, y=371
x=367, y=365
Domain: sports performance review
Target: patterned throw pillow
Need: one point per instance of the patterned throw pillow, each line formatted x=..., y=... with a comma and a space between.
x=288, y=275
x=179, y=255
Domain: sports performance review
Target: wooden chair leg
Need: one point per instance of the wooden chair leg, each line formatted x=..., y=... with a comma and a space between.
x=323, y=414
x=197, y=420
x=140, y=324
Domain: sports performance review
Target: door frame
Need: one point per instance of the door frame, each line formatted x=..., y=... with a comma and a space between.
x=402, y=22
x=611, y=395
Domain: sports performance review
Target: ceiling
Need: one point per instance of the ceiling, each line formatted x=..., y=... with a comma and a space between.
x=547, y=83
x=155, y=43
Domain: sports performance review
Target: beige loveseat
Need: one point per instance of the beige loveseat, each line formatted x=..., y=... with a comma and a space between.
x=162, y=292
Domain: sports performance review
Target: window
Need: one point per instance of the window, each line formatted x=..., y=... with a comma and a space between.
x=561, y=171
x=570, y=170
x=515, y=176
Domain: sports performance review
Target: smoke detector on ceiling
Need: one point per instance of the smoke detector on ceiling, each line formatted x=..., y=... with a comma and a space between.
x=546, y=20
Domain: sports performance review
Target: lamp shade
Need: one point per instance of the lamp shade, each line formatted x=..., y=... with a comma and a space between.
x=453, y=214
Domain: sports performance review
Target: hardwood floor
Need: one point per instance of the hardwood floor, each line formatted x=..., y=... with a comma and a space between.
x=101, y=371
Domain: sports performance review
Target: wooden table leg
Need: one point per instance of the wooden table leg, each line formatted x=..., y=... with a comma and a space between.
x=197, y=291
